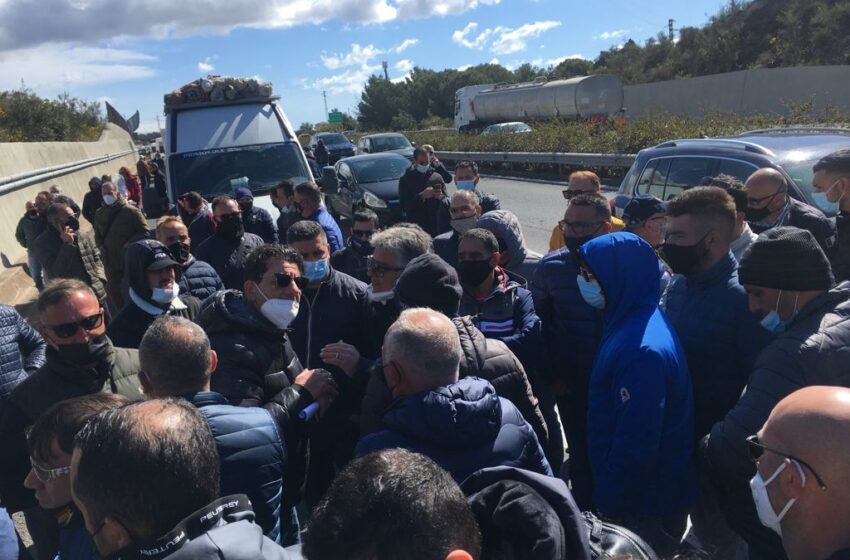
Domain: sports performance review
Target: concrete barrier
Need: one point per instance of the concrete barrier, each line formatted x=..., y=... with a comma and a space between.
x=20, y=157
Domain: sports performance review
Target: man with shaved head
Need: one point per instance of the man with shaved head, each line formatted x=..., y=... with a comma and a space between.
x=802, y=487
x=465, y=209
x=770, y=205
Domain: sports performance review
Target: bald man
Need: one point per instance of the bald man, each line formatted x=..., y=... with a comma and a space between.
x=465, y=209
x=769, y=205
x=802, y=488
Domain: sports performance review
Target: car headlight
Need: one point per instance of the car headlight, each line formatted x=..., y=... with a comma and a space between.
x=373, y=201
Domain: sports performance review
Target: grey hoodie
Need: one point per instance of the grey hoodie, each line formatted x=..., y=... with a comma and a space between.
x=505, y=225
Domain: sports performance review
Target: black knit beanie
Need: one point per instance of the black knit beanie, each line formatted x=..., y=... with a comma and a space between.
x=786, y=258
x=429, y=281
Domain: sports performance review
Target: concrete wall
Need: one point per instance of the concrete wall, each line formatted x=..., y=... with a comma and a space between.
x=764, y=90
x=19, y=157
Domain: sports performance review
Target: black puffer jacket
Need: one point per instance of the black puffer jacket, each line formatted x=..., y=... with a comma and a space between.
x=227, y=257
x=21, y=350
x=259, y=222
x=486, y=358
x=815, y=350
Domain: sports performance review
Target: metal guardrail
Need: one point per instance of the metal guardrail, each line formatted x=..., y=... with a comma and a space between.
x=21, y=180
x=551, y=158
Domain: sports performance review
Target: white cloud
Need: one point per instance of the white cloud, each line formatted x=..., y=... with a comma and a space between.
x=401, y=78
x=502, y=40
x=404, y=66
x=206, y=65
x=494, y=60
x=350, y=81
x=556, y=61
x=356, y=57
x=404, y=45
x=52, y=67
x=608, y=35
x=464, y=67
x=426, y=8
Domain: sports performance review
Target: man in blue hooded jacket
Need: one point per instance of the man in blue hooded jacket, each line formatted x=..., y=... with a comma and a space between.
x=640, y=404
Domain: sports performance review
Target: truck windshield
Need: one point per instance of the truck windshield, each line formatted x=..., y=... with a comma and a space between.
x=222, y=171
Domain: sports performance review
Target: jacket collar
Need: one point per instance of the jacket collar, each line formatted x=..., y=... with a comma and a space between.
x=832, y=297
x=92, y=377
x=718, y=273
x=745, y=239
x=151, y=309
x=205, y=398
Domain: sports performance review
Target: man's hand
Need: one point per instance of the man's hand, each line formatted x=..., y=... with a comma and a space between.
x=342, y=355
x=319, y=383
x=68, y=236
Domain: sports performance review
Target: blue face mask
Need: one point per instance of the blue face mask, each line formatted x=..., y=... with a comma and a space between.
x=468, y=185
x=316, y=271
x=822, y=202
x=773, y=322
x=591, y=292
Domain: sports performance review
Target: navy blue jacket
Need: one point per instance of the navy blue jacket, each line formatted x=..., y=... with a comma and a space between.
x=640, y=405
x=720, y=336
x=21, y=350
x=251, y=455
x=331, y=228
x=463, y=427
x=227, y=257
x=571, y=328
x=199, y=279
x=259, y=222
x=202, y=227
x=445, y=246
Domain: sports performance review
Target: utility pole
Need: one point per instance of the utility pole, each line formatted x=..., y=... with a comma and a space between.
x=386, y=73
x=670, y=23
x=325, y=97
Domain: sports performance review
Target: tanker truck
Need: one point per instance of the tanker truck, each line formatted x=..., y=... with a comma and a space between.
x=585, y=97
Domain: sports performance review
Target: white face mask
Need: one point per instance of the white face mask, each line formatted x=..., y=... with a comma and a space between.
x=422, y=168
x=758, y=486
x=165, y=295
x=591, y=292
x=109, y=199
x=462, y=225
x=381, y=296
x=280, y=312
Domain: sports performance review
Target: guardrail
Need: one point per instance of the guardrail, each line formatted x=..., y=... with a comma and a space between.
x=21, y=180
x=551, y=158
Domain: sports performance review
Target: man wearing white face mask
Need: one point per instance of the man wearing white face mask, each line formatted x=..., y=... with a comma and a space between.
x=465, y=211
x=831, y=182
x=800, y=489
x=466, y=179
x=789, y=281
x=152, y=275
x=418, y=198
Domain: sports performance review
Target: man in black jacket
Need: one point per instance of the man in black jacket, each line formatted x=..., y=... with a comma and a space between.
x=256, y=363
x=334, y=308
x=256, y=220
x=353, y=258
x=93, y=199
x=198, y=217
x=831, y=182
x=466, y=179
x=197, y=278
x=790, y=282
x=160, y=501
x=228, y=248
x=465, y=211
x=154, y=291
x=419, y=200
x=282, y=196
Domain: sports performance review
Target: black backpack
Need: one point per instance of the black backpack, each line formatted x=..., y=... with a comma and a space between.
x=612, y=542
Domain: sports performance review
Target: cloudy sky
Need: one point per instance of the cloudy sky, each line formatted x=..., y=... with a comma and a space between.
x=133, y=51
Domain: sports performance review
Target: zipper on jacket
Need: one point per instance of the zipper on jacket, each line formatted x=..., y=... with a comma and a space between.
x=310, y=322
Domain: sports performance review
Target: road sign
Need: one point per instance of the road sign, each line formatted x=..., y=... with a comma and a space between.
x=335, y=117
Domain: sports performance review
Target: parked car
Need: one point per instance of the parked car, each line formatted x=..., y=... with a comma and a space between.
x=366, y=181
x=338, y=145
x=507, y=128
x=667, y=169
x=385, y=142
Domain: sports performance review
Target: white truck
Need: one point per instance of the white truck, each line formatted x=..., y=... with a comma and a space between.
x=224, y=133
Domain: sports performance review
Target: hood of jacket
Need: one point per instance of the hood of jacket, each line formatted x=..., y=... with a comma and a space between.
x=136, y=258
x=460, y=415
x=228, y=311
x=627, y=269
x=505, y=225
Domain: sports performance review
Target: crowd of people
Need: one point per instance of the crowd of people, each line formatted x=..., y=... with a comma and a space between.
x=235, y=385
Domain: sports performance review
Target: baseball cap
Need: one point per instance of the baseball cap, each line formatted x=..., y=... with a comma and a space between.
x=158, y=257
x=641, y=208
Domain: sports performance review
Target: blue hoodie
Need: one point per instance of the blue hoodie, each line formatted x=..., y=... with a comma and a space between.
x=640, y=417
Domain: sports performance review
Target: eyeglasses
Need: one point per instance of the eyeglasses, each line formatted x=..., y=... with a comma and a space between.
x=46, y=475
x=756, y=201
x=580, y=227
x=757, y=449
x=377, y=266
x=285, y=280
x=363, y=233
x=67, y=330
x=568, y=194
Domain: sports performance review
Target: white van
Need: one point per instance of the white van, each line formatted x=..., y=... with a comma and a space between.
x=214, y=147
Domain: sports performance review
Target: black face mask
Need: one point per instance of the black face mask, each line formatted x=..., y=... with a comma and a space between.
x=573, y=243
x=473, y=273
x=757, y=214
x=32, y=214
x=180, y=251
x=362, y=247
x=73, y=223
x=246, y=206
x=85, y=354
x=230, y=226
x=682, y=258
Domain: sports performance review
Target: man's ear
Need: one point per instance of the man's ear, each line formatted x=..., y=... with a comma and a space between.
x=477, y=178
x=145, y=382
x=45, y=334
x=213, y=361
x=606, y=227
x=494, y=260
x=391, y=375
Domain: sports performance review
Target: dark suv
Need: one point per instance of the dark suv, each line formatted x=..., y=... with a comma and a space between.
x=669, y=168
x=337, y=144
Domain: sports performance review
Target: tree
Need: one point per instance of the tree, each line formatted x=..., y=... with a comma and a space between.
x=25, y=117
x=572, y=67
x=528, y=73
x=305, y=128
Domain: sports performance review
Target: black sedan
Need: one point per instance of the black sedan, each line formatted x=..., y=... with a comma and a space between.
x=367, y=181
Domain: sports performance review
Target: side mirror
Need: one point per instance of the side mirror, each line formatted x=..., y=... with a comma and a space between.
x=413, y=144
x=330, y=185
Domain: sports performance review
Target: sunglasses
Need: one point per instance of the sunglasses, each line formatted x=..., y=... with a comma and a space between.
x=757, y=449
x=377, y=266
x=756, y=201
x=284, y=280
x=46, y=475
x=362, y=233
x=578, y=227
x=67, y=330
x=568, y=194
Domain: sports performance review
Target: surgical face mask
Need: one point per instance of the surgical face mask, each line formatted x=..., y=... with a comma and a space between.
x=381, y=296
x=280, y=312
x=362, y=246
x=468, y=185
x=823, y=202
x=109, y=199
x=86, y=353
x=462, y=225
x=316, y=271
x=758, y=486
x=422, y=168
x=286, y=210
x=591, y=292
x=165, y=295
x=773, y=322
x=180, y=251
